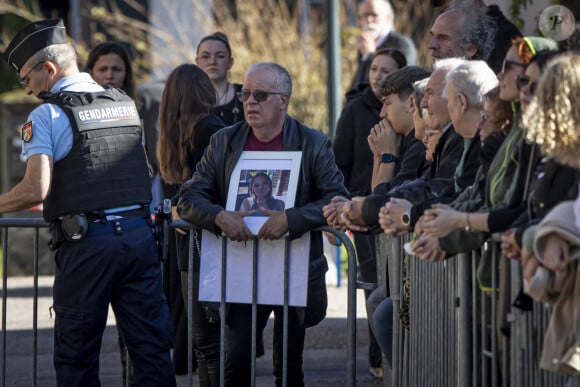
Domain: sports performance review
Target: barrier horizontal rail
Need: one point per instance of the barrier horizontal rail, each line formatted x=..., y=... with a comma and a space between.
x=351, y=301
x=38, y=223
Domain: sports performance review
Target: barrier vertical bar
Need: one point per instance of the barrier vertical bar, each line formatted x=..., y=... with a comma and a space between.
x=254, y=306
x=189, y=308
x=504, y=292
x=494, y=294
x=395, y=287
x=338, y=264
x=464, y=319
x=285, y=327
x=475, y=343
x=351, y=307
x=35, y=309
x=4, y=299
x=223, y=313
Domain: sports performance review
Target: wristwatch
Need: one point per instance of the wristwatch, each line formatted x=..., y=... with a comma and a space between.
x=388, y=158
x=406, y=219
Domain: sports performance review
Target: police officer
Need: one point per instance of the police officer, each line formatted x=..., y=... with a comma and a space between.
x=85, y=162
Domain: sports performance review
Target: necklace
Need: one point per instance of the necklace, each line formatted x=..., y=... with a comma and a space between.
x=221, y=97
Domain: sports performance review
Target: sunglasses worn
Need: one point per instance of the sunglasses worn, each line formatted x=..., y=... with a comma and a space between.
x=259, y=95
x=509, y=64
x=24, y=80
x=522, y=81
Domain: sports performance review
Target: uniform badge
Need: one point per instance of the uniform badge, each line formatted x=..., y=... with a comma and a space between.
x=26, y=131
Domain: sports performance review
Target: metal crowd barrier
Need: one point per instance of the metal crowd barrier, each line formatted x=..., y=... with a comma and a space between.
x=7, y=223
x=351, y=306
x=458, y=334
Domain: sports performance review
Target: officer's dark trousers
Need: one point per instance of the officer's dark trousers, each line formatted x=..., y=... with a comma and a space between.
x=121, y=269
x=239, y=336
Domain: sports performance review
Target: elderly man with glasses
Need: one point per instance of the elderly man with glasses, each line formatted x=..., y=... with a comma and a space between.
x=266, y=94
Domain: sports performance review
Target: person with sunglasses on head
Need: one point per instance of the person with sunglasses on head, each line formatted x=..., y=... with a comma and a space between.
x=506, y=180
x=214, y=56
x=266, y=94
x=86, y=163
x=551, y=182
x=551, y=255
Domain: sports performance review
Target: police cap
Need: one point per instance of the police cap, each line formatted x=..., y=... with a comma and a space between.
x=33, y=38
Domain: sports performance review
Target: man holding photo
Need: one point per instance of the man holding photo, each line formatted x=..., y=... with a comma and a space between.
x=266, y=93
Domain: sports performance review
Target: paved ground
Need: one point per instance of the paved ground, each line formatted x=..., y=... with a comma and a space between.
x=324, y=355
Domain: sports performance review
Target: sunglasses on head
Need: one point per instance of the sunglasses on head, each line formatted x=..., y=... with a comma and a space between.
x=522, y=81
x=509, y=64
x=259, y=95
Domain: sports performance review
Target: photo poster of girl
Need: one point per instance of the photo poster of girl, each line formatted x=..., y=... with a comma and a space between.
x=263, y=181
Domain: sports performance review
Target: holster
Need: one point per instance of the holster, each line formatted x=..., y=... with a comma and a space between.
x=67, y=228
x=56, y=235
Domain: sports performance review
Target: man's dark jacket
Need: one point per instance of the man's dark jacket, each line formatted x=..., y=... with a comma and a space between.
x=205, y=194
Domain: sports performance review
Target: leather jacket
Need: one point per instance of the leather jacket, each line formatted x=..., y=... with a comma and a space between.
x=205, y=194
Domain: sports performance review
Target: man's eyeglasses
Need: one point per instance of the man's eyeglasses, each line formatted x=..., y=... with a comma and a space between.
x=25, y=79
x=508, y=64
x=259, y=95
x=522, y=81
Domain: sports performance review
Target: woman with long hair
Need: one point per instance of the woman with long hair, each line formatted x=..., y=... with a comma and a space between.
x=261, y=196
x=186, y=123
x=214, y=56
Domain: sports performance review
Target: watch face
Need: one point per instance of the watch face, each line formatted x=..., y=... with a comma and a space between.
x=406, y=219
x=387, y=158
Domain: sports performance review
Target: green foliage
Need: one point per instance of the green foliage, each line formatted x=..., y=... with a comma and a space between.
x=515, y=12
x=13, y=16
x=259, y=30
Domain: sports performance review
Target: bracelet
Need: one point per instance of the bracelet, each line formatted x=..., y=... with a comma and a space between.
x=467, y=224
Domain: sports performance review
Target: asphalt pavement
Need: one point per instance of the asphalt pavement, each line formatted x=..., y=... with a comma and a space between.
x=325, y=359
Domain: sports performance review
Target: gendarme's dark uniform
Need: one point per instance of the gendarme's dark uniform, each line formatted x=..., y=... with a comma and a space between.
x=105, y=177
x=98, y=209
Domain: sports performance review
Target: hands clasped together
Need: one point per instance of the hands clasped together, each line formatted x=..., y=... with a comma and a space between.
x=435, y=223
x=233, y=226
